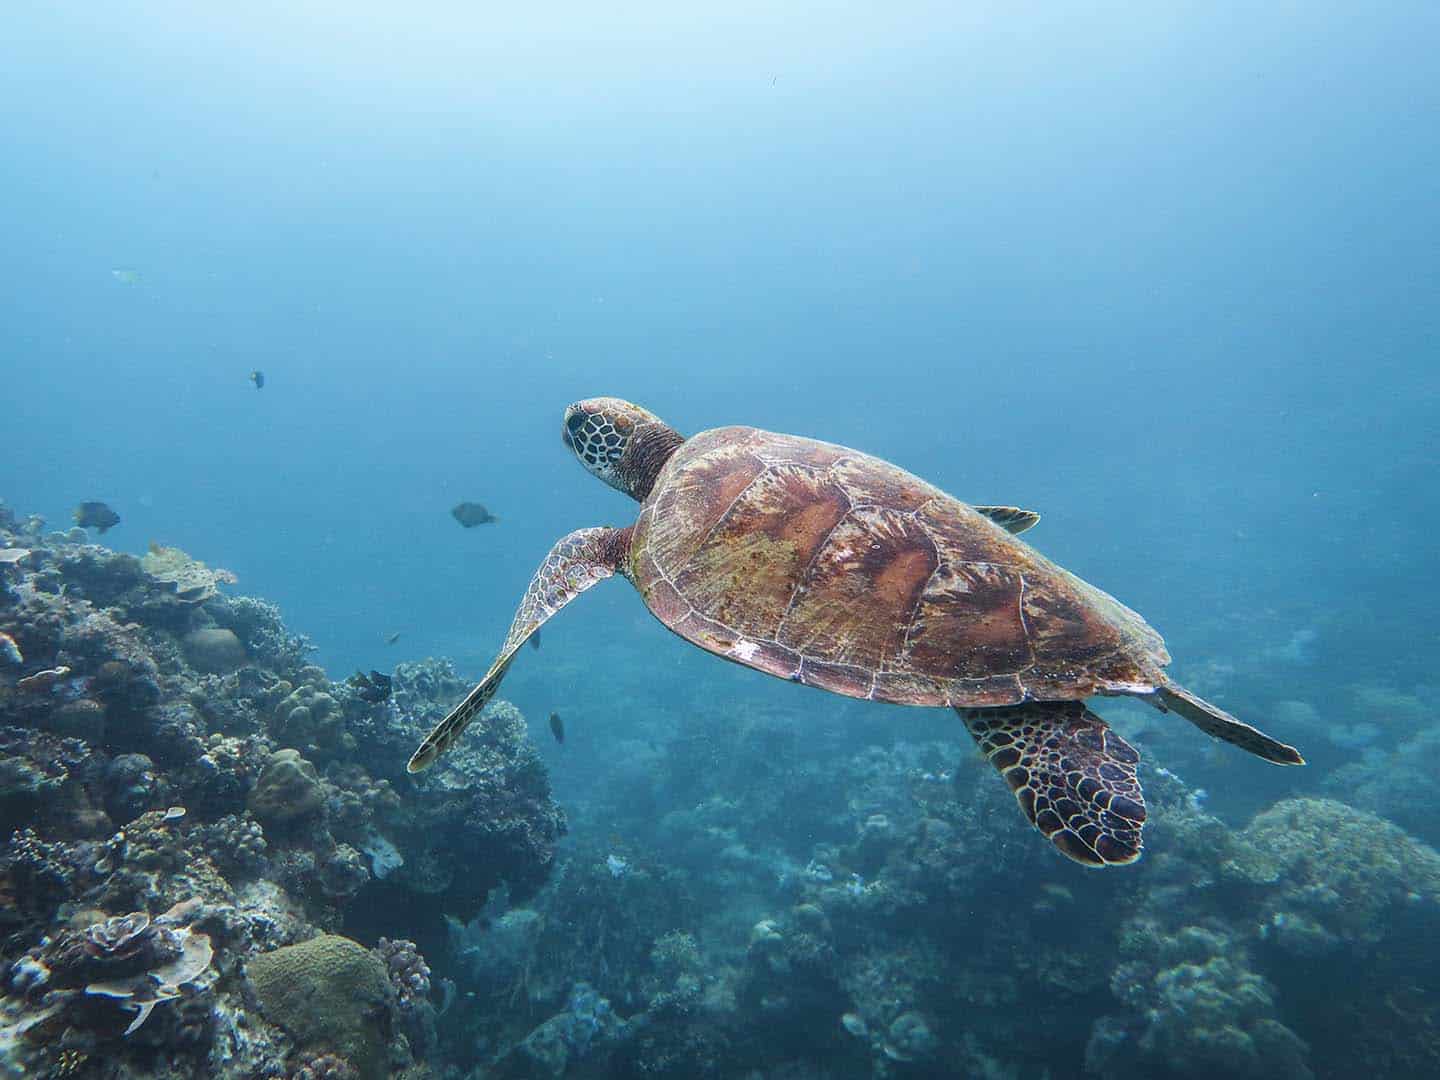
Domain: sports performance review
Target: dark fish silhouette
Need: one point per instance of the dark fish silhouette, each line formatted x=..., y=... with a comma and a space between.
x=535, y=640
x=373, y=688
x=557, y=728
x=390, y=639
x=258, y=378
x=96, y=515
x=471, y=514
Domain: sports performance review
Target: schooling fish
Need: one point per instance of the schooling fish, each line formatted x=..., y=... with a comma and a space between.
x=557, y=728
x=258, y=378
x=471, y=514
x=373, y=688
x=96, y=515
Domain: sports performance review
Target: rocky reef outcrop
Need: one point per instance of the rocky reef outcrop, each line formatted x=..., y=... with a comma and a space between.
x=192, y=816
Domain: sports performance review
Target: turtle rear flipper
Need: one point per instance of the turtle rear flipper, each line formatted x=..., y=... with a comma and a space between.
x=1073, y=777
x=578, y=561
x=1214, y=720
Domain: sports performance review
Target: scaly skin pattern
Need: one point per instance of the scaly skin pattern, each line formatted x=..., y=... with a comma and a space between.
x=831, y=568
x=579, y=560
x=1074, y=778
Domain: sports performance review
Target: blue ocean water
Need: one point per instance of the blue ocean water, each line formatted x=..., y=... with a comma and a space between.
x=1166, y=274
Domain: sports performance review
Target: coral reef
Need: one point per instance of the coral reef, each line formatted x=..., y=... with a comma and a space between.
x=215, y=864
x=332, y=995
x=1200, y=1010
x=183, y=798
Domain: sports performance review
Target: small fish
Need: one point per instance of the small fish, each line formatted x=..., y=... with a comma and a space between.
x=9, y=650
x=471, y=514
x=96, y=515
x=390, y=639
x=535, y=640
x=258, y=378
x=557, y=728
x=373, y=688
x=126, y=276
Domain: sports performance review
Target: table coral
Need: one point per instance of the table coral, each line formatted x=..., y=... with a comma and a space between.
x=191, y=580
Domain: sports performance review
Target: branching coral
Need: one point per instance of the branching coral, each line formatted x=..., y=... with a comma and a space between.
x=408, y=972
x=1199, y=1009
x=236, y=844
x=1352, y=874
x=260, y=626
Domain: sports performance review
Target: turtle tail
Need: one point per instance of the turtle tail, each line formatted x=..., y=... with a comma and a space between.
x=1214, y=720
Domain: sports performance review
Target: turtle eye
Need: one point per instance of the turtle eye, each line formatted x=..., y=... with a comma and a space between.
x=576, y=421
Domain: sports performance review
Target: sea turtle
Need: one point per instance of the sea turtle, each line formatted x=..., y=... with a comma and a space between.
x=831, y=568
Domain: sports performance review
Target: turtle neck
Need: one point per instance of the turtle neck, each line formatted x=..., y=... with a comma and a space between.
x=650, y=447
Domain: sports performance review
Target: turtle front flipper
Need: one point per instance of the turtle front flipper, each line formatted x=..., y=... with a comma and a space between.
x=1073, y=777
x=575, y=563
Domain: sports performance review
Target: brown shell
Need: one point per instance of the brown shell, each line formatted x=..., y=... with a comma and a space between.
x=831, y=568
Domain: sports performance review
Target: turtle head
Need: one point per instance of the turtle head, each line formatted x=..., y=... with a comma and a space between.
x=621, y=443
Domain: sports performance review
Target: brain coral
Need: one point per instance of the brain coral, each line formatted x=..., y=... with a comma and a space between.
x=330, y=994
x=288, y=788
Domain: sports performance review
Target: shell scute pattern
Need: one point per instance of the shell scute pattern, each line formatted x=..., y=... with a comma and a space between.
x=744, y=571
x=855, y=603
x=825, y=566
